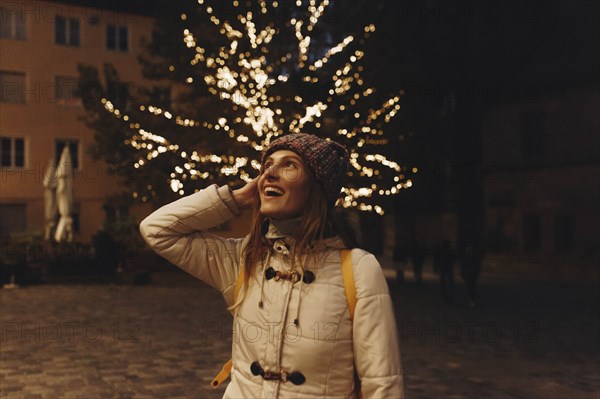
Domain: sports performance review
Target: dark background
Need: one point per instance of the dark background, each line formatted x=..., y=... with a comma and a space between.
x=458, y=62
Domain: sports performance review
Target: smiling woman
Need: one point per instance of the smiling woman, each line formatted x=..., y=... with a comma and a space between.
x=317, y=329
x=283, y=185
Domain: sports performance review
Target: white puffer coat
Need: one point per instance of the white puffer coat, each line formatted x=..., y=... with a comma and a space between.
x=326, y=344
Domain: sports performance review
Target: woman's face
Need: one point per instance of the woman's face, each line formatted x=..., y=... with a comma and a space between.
x=283, y=185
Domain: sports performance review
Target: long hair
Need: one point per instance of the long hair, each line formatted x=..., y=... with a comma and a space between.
x=318, y=221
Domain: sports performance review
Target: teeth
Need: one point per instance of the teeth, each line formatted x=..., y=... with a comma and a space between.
x=273, y=190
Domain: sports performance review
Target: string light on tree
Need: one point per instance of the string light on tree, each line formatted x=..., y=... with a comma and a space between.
x=269, y=76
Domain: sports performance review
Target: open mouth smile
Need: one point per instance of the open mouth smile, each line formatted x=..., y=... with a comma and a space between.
x=272, y=191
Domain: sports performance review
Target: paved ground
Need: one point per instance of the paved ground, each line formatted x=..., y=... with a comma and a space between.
x=167, y=340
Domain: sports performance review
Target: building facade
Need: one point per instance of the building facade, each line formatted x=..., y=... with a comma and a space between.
x=41, y=45
x=542, y=200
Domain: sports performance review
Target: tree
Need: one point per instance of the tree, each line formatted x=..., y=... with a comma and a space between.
x=229, y=78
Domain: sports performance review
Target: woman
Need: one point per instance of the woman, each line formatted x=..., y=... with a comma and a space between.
x=293, y=335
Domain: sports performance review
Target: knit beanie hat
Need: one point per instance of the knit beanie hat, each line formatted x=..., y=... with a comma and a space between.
x=327, y=160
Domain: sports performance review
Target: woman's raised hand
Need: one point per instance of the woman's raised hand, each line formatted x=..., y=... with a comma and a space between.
x=246, y=196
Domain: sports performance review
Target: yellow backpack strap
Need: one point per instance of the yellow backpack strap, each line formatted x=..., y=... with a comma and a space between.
x=226, y=370
x=223, y=375
x=350, y=288
x=348, y=276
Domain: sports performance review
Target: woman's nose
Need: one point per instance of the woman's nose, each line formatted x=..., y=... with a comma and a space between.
x=273, y=171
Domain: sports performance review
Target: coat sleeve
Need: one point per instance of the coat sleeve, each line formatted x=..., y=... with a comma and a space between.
x=177, y=232
x=375, y=337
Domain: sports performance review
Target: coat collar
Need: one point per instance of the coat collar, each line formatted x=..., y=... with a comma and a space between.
x=286, y=230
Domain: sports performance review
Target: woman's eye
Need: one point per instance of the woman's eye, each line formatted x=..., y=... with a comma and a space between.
x=290, y=164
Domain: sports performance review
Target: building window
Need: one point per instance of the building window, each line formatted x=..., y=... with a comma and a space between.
x=66, y=31
x=73, y=150
x=12, y=152
x=67, y=90
x=12, y=87
x=532, y=231
x=13, y=219
x=117, y=37
x=564, y=232
x=532, y=133
x=12, y=22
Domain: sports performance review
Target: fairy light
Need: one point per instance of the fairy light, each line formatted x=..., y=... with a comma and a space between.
x=334, y=50
x=240, y=74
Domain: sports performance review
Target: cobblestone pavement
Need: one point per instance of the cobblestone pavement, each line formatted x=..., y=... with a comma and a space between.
x=168, y=339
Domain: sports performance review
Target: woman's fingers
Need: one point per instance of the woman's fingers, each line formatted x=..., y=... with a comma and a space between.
x=246, y=195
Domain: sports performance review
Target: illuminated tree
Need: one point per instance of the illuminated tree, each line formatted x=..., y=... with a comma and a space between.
x=241, y=75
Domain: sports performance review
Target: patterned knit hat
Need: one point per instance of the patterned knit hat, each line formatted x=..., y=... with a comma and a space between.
x=327, y=160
